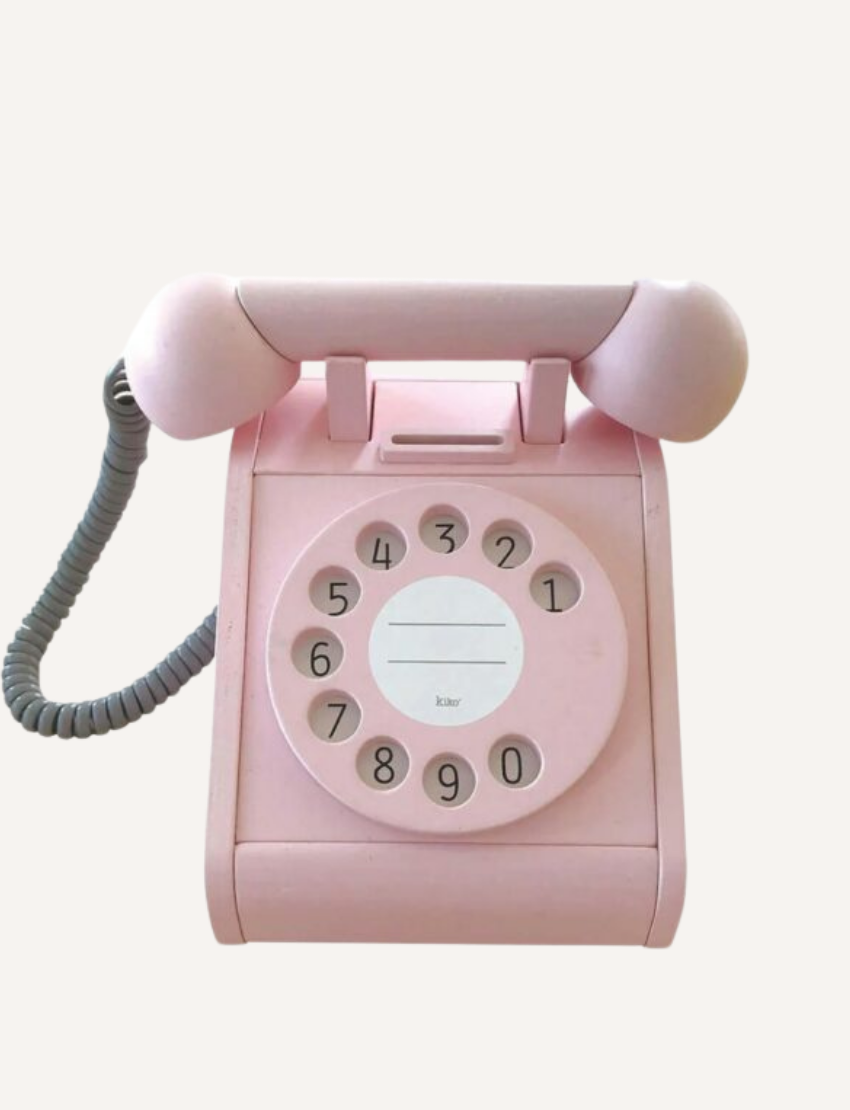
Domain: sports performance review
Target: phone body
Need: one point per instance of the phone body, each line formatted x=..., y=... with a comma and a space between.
x=293, y=857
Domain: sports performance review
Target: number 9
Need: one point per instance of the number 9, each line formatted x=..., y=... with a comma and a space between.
x=449, y=779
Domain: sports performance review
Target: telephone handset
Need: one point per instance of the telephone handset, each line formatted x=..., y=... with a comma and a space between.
x=446, y=693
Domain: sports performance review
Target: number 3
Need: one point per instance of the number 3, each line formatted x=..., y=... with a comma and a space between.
x=445, y=530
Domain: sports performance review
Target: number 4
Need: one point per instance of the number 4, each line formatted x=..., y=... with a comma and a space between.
x=382, y=560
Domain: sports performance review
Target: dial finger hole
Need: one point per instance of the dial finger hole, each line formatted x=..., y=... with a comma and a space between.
x=515, y=762
x=449, y=780
x=383, y=763
x=334, y=591
x=444, y=530
x=507, y=545
x=334, y=717
x=556, y=589
x=381, y=547
x=316, y=653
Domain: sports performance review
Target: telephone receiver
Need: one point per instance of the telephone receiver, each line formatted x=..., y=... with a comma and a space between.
x=209, y=353
x=446, y=701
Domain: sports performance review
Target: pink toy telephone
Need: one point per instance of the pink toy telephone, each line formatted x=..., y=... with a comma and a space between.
x=446, y=687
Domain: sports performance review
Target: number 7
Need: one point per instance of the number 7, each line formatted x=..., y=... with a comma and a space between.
x=341, y=706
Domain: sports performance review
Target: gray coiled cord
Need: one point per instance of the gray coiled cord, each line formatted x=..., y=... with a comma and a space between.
x=126, y=450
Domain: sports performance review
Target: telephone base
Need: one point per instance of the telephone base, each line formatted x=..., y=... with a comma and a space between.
x=294, y=852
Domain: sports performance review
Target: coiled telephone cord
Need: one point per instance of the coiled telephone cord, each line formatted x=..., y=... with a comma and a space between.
x=126, y=450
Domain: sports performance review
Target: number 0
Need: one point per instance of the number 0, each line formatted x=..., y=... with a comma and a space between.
x=515, y=764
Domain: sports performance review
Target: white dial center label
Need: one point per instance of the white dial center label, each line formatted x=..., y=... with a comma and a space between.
x=446, y=650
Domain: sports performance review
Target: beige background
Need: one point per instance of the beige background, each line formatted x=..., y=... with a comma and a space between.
x=560, y=141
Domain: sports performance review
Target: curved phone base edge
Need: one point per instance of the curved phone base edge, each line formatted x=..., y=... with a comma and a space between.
x=661, y=638
x=220, y=879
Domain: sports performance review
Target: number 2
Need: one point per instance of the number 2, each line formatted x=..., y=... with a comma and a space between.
x=500, y=542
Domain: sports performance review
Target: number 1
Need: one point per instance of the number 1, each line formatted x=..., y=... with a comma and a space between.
x=553, y=607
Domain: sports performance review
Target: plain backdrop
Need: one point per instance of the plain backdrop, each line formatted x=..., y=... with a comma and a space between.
x=533, y=141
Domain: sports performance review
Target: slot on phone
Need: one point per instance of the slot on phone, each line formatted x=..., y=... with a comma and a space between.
x=408, y=439
x=448, y=447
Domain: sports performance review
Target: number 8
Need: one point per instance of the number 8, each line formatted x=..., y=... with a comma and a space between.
x=384, y=761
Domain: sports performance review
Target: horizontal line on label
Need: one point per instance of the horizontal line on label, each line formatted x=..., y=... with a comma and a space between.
x=456, y=662
x=446, y=624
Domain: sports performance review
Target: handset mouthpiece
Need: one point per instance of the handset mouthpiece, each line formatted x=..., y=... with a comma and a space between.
x=674, y=364
x=197, y=365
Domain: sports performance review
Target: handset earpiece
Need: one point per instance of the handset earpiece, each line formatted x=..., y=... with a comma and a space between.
x=674, y=364
x=197, y=365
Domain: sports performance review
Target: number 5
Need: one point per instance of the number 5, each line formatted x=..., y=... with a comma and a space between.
x=335, y=594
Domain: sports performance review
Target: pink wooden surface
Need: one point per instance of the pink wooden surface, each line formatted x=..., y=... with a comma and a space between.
x=586, y=867
x=196, y=363
x=230, y=656
x=665, y=698
x=568, y=696
x=668, y=360
x=543, y=399
x=613, y=802
x=349, y=399
x=431, y=321
x=673, y=366
x=446, y=894
x=295, y=433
